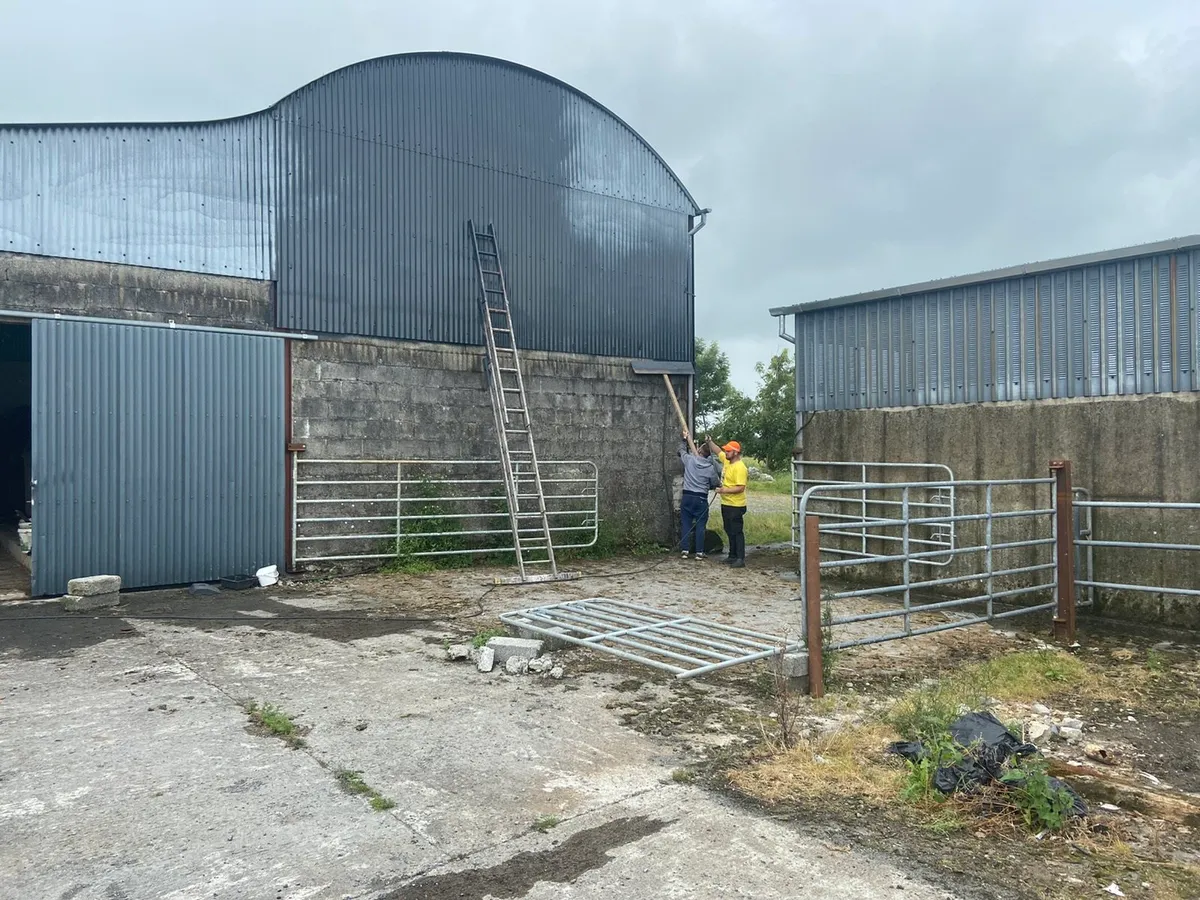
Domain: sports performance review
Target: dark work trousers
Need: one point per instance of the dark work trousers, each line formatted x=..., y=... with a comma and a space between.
x=732, y=518
x=693, y=520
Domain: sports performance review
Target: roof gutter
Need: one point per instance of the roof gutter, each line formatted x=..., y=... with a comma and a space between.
x=703, y=221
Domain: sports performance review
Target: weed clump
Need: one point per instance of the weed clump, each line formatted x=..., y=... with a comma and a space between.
x=352, y=783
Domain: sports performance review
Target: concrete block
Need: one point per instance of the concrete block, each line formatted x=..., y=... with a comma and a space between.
x=795, y=665
x=75, y=603
x=507, y=647
x=541, y=665
x=94, y=585
x=487, y=659
x=549, y=644
x=516, y=665
x=458, y=651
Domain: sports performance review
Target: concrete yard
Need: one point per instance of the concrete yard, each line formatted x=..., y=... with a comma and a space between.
x=129, y=767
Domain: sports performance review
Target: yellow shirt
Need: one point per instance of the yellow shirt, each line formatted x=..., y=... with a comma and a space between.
x=735, y=474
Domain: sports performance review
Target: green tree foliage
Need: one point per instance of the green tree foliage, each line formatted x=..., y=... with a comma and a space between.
x=765, y=424
x=714, y=392
x=775, y=409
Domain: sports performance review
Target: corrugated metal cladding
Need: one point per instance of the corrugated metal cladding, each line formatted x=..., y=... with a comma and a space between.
x=383, y=163
x=158, y=454
x=1128, y=326
x=196, y=198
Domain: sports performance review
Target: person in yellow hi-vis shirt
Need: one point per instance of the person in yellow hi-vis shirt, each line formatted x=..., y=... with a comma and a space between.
x=733, y=500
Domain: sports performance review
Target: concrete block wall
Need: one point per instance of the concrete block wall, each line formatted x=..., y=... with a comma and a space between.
x=110, y=291
x=1121, y=448
x=359, y=398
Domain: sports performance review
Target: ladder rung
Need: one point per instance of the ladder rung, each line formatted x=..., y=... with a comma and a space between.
x=502, y=330
x=516, y=409
x=512, y=390
x=489, y=253
x=521, y=452
x=506, y=349
x=488, y=290
x=508, y=369
x=517, y=430
x=528, y=496
x=493, y=309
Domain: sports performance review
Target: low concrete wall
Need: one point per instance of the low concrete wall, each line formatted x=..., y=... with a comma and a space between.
x=360, y=398
x=1121, y=448
x=105, y=290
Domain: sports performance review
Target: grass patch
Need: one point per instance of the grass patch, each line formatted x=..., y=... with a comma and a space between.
x=1024, y=676
x=352, y=783
x=545, y=823
x=850, y=760
x=273, y=720
x=683, y=776
x=766, y=526
x=482, y=637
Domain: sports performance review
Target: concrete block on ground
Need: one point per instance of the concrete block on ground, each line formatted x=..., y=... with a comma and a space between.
x=549, y=643
x=75, y=603
x=541, y=665
x=458, y=651
x=795, y=665
x=487, y=659
x=94, y=585
x=516, y=665
x=506, y=648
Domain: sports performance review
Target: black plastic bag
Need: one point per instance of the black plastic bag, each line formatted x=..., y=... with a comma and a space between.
x=987, y=745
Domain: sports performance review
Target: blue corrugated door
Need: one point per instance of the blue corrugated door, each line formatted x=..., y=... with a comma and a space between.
x=158, y=454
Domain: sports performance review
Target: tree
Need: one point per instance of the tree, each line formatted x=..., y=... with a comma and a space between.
x=775, y=410
x=765, y=425
x=714, y=392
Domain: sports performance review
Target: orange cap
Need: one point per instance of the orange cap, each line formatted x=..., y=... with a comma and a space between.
x=732, y=447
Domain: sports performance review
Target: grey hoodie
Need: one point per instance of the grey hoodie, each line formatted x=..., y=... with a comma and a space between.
x=700, y=473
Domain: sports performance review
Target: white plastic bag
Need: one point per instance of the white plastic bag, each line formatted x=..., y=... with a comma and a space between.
x=267, y=576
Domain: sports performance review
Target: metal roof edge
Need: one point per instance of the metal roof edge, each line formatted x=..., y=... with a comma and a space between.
x=1034, y=268
x=661, y=367
x=363, y=63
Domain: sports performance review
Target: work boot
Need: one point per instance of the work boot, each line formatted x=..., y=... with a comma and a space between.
x=738, y=564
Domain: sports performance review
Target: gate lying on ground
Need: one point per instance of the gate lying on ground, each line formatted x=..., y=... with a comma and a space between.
x=682, y=645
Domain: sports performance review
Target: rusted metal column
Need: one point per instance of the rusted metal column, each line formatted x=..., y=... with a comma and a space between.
x=1064, y=619
x=812, y=605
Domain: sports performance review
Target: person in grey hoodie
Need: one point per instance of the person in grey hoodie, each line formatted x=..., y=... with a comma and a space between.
x=701, y=474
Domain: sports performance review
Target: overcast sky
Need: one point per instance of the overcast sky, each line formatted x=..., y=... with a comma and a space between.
x=843, y=146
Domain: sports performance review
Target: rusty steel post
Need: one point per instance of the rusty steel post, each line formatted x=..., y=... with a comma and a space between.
x=812, y=605
x=1064, y=619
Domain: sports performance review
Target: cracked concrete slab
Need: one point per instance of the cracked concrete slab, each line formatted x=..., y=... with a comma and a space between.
x=128, y=768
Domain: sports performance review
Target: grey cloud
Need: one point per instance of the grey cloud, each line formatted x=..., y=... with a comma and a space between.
x=843, y=146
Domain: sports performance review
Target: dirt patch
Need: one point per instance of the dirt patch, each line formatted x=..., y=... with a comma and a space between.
x=582, y=852
x=39, y=631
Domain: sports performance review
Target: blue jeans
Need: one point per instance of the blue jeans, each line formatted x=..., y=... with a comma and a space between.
x=693, y=514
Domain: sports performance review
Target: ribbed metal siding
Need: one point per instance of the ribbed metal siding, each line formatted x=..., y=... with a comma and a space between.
x=383, y=164
x=196, y=198
x=158, y=455
x=1126, y=327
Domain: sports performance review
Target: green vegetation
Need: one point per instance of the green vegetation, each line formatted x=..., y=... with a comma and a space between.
x=352, y=783
x=765, y=425
x=482, y=637
x=545, y=823
x=275, y=721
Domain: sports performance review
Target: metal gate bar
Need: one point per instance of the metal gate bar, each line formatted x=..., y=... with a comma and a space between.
x=651, y=637
x=1090, y=542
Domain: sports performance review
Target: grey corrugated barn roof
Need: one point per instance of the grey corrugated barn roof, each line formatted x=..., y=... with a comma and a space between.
x=1037, y=268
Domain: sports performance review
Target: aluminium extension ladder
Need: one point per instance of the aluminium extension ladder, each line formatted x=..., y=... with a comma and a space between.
x=522, y=481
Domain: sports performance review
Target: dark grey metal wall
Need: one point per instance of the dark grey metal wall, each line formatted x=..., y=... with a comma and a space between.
x=1125, y=326
x=384, y=162
x=158, y=454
